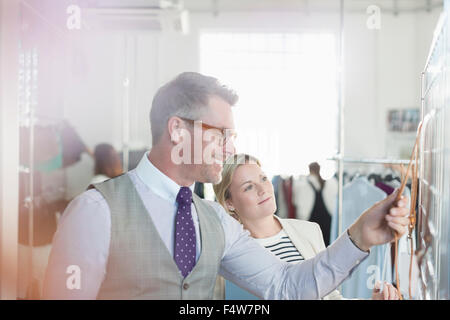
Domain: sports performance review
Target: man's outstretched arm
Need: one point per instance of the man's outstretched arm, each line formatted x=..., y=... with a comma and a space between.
x=252, y=267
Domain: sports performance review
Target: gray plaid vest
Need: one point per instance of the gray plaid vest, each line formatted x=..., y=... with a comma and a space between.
x=139, y=264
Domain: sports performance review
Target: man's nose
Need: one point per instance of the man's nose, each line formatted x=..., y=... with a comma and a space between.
x=229, y=149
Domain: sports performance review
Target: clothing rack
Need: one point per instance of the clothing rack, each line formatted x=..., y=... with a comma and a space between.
x=365, y=161
x=371, y=160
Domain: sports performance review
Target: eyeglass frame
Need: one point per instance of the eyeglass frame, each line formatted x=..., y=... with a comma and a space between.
x=205, y=126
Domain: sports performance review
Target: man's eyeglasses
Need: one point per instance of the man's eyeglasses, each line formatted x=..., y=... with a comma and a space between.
x=226, y=134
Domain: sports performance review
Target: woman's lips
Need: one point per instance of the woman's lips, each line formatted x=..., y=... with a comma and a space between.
x=264, y=200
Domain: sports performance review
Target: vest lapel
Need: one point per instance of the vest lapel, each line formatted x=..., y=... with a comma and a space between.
x=140, y=265
x=154, y=234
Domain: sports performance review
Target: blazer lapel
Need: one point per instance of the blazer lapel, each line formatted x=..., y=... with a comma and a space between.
x=299, y=241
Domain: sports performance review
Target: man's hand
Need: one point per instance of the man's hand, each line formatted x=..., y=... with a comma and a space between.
x=377, y=224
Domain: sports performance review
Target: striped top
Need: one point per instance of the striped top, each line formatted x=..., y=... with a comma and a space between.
x=282, y=247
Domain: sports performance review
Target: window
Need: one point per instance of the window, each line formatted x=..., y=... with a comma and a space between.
x=287, y=84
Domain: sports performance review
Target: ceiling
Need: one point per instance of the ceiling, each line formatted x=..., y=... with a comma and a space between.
x=309, y=5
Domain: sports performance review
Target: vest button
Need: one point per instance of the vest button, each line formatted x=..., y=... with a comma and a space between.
x=185, y=286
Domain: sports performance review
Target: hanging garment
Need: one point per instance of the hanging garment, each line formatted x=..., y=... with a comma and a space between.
x=358, y=196
x=282, y=208
x=320, y=214
x=386, y=188
x=287, y=190
x=275, y=183
x=304, y=195
x=330, y=194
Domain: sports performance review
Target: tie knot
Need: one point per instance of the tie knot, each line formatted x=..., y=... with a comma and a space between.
x=184, y=195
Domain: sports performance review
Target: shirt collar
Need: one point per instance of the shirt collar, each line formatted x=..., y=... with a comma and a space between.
x=157, y=181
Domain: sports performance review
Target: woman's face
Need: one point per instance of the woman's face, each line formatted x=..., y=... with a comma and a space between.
x=252, y=195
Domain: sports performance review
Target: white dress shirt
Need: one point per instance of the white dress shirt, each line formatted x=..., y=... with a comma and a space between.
x=83, y=239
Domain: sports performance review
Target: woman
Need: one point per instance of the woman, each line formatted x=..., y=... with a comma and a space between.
x=247, y=194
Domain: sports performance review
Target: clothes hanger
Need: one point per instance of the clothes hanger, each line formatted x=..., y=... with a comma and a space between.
x=375, y=177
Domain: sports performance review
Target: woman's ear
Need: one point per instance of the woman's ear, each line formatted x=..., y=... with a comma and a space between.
x=229, y=205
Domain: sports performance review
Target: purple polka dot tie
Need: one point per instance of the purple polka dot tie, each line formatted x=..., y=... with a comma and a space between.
x=185, y=242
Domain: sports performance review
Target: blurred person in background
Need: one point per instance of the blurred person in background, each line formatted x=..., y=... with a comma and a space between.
x=107, y=163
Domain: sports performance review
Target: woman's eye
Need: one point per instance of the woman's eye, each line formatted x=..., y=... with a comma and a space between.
x=264, y=179
x=248, y=188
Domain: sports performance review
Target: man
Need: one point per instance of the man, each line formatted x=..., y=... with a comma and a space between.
x=144, y=235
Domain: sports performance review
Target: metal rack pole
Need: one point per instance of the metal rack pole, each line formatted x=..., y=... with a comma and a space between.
x=341, y=114
x=126, y=109
x=369, y=160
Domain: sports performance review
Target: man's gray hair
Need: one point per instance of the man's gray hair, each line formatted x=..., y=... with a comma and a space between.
x=185, y=96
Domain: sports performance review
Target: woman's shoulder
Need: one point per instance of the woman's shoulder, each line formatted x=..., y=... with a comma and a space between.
x=298, y=222
x=301, y=230
x=301, y=224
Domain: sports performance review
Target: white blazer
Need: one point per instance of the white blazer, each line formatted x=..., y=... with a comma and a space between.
x=308, y=239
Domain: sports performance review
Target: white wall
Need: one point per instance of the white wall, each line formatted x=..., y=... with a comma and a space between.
x=383, y=71
x=382, y=67
x=95, y=94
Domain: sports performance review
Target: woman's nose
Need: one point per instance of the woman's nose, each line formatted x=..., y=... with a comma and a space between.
x=261, y=190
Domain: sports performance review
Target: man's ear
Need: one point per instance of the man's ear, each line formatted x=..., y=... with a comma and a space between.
x=174, y=127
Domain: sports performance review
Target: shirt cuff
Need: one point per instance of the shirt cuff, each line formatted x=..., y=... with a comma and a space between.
x=348, y=234
x=346, y=254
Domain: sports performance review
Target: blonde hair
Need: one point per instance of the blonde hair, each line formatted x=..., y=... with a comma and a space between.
x=229, y=167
